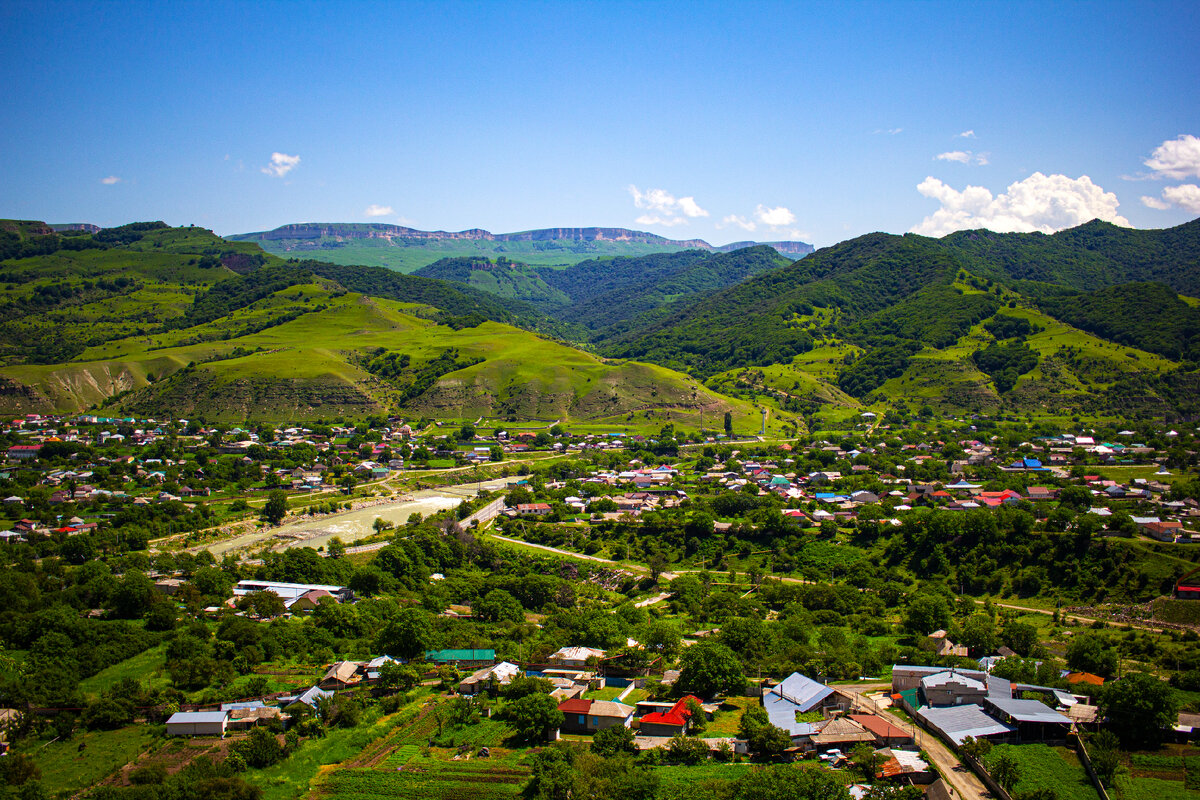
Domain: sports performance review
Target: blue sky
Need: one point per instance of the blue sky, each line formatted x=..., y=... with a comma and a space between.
x=722, y=121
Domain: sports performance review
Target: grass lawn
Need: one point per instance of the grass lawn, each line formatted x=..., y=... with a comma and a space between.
x=725, y=722
x=1131, y=788
x=147, y=667
x=1045, y=767
x=88, y=758
x=607, y=693
x=680, y=777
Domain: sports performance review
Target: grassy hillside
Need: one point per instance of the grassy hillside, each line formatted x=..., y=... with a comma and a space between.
x=919, y=321
x=157, y=322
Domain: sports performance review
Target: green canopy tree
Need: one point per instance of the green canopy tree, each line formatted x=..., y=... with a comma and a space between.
x=710, y=668
x=1139, y=708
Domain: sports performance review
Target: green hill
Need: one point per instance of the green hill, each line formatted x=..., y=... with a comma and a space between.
x=920, y=321
x=601, y=292
x=157, y=321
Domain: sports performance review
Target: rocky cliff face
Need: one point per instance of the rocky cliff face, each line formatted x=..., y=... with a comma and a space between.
x=312, y=231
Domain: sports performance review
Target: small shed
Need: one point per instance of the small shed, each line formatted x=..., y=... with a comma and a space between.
x=197, y=723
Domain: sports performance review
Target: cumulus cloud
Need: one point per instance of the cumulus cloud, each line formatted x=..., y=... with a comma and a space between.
x=967, y=135
x=741, y=222
x=1176, y=158
x=110, y=180
x=1045, y=203
x=281, y=164
x=1154, y=202
x=664, y=208
x=777, y=217
x=963, y=157
x=374, y=210
x=1185, y=196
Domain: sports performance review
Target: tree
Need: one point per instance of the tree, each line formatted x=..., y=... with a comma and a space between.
x=276, y=507
x=336, y=548
x=1090, y=653
x=926, y=614
x=696, y=720
x=533, y=715
x=1021, y=637
x=499, y=606
x=764, y=739
x=979, y=634
x=398, y=676
x=1005, y=769
x=662, y=637
x=409, y=635
x=1139, y=708
x=260, y=749
x=786, y=782
x=710, y=668
x=614, y=740
x=687, y=751
x=264, y=604
x=976, y=748
x=729, y=423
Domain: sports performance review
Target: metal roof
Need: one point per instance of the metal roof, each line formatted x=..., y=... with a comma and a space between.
x=1028, y=711
x=803, y=692
x=188, y=717
x=959, y=722
x=949, y=676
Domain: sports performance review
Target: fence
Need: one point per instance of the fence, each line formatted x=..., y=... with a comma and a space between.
x=1086, y=759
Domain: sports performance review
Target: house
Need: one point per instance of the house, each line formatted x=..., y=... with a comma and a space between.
x=462, y=658
x=533, y=509
x=671, y=722
x=885, y=733
x=574, y=656
x=24, y=452
x=839, y=732
x=307, y=601
x=374, y=667
x=1033, y=720
x=956, y=723
x=197, y=723
x=489, y=677
x=798, y=694
x=942, y=646
x=951, y=688
x=341, y=675
x=253, y=717
x=310, y=697
x=291, y=591
x=589, y=716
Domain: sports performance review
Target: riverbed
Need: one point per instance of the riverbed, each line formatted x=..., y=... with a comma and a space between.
x=350, y=526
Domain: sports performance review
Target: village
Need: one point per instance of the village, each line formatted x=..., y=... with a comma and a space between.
x=717, y=600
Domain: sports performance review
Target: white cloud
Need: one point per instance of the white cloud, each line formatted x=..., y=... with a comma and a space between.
x=110, y=180
x=1154, y=202
x=963, y=157
x=1045, y=203
x=774, y=217
x=374, y=210
x=1186, y=196
x=889, y=131
x=665, y=208
x=1176, y=158
x=741, y=222
x=966, y=135
x=281, y=164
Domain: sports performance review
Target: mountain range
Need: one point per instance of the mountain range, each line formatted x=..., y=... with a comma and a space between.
x=150, y=319
x=407, y=249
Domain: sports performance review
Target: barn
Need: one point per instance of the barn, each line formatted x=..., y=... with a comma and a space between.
x=197, y=723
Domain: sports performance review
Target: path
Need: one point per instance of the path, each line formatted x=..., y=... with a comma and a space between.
x=965, y=783
x=1073, y=617
x=649, y=601
x=568, y=553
